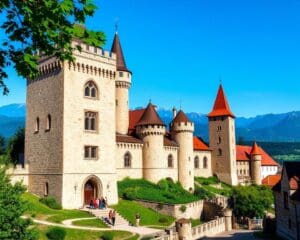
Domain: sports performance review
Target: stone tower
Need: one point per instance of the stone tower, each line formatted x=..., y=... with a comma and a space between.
x=182, y=130
x=151, y=130
x=123, y=83
x=222, y=140
x=255, y=164
x=69, y=140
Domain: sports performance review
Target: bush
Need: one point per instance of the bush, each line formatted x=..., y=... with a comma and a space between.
x=203, y=194
x=182, y=208
x=56, y=233
x=51, y=203
x=163, y=184
x=107, y=236
x=163, y=220
x=130, y=194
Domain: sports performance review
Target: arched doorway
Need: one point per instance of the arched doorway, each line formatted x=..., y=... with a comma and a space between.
x=92, y=190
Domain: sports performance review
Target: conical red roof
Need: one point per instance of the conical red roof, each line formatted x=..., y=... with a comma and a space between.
x=180, y=117
x=221, y=106
x=255, y=150
x=117, y=49
x=150, y=117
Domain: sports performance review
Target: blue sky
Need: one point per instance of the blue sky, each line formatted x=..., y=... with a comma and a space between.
x=178, y=51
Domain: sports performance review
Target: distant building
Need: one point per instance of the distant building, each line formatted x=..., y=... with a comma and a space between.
x=287, y=201
x=81, y=137
x=271, y=180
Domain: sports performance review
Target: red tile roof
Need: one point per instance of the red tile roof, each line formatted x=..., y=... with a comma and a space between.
x=134, y=117
x=117, y=49
x=271, y=180
x=169, y=142
x=243, y=154
x=128, y=139
x=150, y=117
x=221, y=106
x=200, y=145
x=255, y=150
x=181, y=117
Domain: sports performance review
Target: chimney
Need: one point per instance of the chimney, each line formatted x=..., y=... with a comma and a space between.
x=174, y=112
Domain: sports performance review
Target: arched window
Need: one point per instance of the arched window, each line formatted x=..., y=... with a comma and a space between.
x=46, y=190
x=205, y=162
x=127, y=160
x=219, y=140
x=220, y=152
x=196, y=162
x=90, y=90
x=90, y=121
x=170, y=161
x=37, y=124
x=48, y=126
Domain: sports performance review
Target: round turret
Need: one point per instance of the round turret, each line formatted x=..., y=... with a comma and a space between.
x=184, y=229
x=151, y=130
x=182, y=130
x=255, y=164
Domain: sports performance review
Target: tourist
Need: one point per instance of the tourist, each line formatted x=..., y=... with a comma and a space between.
x=113, y=217
x=104, y=203
x=110, y=216
x=100, y=203
x=91, y=204
x=95, y=203
x=137, y=219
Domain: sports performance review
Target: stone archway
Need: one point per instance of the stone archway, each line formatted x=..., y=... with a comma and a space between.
x=92, y=189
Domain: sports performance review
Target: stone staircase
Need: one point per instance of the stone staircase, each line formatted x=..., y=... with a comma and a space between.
x=103, y=215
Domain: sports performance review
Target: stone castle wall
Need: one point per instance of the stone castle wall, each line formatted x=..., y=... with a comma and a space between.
x=202, y=171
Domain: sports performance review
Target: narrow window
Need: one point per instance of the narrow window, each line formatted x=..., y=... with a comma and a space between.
x=170, y=161
x=220, y=152
x=90, y=90
x=46, y=190
x=219, y=140
x=37, y=124
x=205, y=162
x=127, y=160
x=48, y=127
x=90, y=121
x=86, y=152
x=120, y=74
x=93, y=152
x=196, y=162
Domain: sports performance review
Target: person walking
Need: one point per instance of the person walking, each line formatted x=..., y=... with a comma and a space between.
x=110, y=216
x=113, y=217
x=137, y=219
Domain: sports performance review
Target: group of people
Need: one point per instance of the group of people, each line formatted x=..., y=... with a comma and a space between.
x=100, y=203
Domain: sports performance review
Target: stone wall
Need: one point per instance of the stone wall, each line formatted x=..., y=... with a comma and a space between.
x=210, y=228
x=193, y=210
x=19, y=174
x=202, y=171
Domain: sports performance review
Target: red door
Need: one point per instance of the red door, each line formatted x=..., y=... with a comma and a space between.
x=89, y=192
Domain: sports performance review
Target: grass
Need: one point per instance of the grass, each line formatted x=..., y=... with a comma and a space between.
x=74, y=234
x=149, y=217
x=165, y=191
x=209, y=184
x=38, y=210
x=196, y=222
x=90, y=223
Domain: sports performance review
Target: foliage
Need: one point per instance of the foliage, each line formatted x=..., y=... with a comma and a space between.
x=202, y=193
x=211, y=186
x=165, y=191
x=30, y=26
x=12, y=207
x=16, y=146
x=90, y=223
x=51, y=202
x=182, y=208
x=251, y=201
x=56, y=233
x=2, y=145
x=207, y=181
x=196, y=222
x=129, y=209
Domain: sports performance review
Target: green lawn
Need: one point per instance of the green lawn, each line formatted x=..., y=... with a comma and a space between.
x=38, y=210
x=165, y=191
x=74, y=234
x=196, y=222
x=91, y=223
x=149, y=217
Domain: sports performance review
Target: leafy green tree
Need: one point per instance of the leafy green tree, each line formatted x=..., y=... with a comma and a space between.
x=12, y=207
x=47, y=26
x=252, y=201
x=2, y=145
x=16, y=146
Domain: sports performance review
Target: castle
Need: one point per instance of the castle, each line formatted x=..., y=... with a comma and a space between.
x=81, y=137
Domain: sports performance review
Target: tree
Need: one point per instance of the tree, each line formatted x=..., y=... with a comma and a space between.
x=15, y=146
x=46, y=26
x=2, y=145
x=12, y=207
x=252, y=201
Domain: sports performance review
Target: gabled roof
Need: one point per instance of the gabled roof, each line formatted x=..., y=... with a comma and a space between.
x=180, y=117
x=221, y=106
x=255, y=150
x=150, y=117
x=199, y=144
x=117, y=49
x=134, y=117
x=271, y=180
x=243, y=154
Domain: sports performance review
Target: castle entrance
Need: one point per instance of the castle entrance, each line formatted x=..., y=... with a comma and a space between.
x=91, y=190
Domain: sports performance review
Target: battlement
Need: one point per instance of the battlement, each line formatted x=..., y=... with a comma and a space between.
x=151, y=130
x=183, y=126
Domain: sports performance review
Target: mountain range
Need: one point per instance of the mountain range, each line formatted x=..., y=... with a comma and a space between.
x=283, y=127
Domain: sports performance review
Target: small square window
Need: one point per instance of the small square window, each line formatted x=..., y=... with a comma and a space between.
x=121, y=74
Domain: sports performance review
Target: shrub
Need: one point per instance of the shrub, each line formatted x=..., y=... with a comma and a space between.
x=182, y=208
x=130, y=194
x=163, y=184
x=107, y=236
x=163, y=220
x=51, y=202
x=56, y=233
